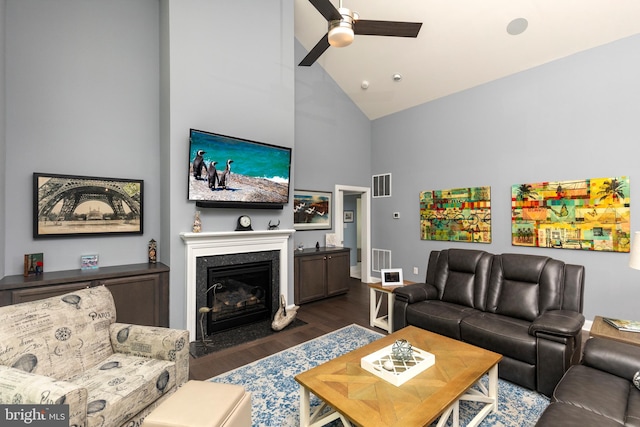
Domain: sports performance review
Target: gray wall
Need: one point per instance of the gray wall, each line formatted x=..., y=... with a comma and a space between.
x=226, y=79
x=333, y=139
x=573, y=118
x=3, y=181
x=82, y=98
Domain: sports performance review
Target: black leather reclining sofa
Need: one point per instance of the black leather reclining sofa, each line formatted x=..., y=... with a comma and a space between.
x=526, y=307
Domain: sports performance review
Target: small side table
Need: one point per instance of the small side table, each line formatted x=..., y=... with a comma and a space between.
x=601, y=329
x=376, y=294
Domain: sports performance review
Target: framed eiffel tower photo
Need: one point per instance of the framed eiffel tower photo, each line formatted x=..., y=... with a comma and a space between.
x=68, y=205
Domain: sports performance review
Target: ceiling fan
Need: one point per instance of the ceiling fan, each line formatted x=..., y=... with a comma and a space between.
x=344, y=23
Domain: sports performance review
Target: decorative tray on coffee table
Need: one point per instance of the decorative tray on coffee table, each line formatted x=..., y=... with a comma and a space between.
x=397, y=370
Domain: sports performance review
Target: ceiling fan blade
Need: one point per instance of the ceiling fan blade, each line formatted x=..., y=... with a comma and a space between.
x=318, y=49
x=387, y=28
x=327, y=9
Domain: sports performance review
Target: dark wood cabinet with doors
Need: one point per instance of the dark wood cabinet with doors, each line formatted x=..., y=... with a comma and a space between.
x=320, y=273
x=140, y=291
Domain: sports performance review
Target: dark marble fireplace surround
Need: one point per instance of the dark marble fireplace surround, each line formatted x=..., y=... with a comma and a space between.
x=203, y=263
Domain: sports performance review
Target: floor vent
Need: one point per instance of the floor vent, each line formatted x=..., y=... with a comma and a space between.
x=380, y=258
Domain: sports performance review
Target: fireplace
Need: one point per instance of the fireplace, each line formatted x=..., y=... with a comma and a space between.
x=238, y=295
x=236, y=289
x=238, y=248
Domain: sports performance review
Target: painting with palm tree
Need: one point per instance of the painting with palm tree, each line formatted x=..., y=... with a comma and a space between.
x=588, y=214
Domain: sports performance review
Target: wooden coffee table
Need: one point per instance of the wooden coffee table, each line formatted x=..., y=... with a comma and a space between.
x=359, y=397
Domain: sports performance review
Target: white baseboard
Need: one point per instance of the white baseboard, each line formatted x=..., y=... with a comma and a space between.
x=356, y=271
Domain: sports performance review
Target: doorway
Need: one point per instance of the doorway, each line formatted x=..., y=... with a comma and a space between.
x=353, y=231
x=363, y=223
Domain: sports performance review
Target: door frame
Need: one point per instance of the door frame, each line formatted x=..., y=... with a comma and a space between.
x=365, y=196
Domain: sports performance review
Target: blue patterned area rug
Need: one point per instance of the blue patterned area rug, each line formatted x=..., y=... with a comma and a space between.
x=276, y=395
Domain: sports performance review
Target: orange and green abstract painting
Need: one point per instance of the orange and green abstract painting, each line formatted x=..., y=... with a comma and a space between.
x=589, y=214
x=458, y=214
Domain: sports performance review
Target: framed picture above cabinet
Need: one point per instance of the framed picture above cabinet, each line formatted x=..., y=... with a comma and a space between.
x=69, y=205
x=312, y=210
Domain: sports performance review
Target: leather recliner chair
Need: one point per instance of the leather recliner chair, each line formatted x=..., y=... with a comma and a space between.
x=598, y=392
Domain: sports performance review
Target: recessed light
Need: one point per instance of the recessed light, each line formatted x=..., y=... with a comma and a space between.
x=517, y=26
x=397, y=77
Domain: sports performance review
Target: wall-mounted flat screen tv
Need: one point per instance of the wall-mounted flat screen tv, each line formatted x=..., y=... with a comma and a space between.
x=226, y=171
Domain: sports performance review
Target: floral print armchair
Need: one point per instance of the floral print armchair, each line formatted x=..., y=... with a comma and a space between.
x=70, y=350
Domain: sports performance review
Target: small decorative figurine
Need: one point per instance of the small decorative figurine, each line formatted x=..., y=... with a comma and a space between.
x=153, y=251
x=283, y=316
x=197, y=224
x=317, y=246
x=300, y=247
x=388, y=365
x=401, y=349
x=274, y=226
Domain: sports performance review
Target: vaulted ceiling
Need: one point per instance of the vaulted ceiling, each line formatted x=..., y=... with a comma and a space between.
x=462, y=44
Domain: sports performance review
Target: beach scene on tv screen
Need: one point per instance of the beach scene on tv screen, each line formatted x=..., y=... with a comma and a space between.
x=228, y=169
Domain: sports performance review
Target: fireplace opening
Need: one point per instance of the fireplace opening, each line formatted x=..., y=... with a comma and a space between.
x=238, y=295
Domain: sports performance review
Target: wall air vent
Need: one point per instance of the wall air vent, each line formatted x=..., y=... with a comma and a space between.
x=381, y=185
x=380, y=258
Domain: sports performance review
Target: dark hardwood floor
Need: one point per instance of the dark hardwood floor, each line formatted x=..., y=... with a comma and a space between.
x=321, y=317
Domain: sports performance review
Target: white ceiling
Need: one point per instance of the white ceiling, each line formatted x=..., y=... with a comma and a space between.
x=462, y=44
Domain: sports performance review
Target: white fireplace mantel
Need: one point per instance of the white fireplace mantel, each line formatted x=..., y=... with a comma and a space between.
x=229, y=242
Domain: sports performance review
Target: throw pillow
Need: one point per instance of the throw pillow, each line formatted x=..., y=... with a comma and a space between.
x=636, y=380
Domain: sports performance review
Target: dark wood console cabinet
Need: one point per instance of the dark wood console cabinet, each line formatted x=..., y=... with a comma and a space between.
x=140, y=291
x=320, y=273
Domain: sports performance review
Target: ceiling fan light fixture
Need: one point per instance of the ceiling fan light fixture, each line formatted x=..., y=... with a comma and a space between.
x=342, y=25
x=341, y=31
x=340, y=36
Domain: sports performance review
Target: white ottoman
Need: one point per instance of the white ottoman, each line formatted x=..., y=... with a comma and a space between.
x=203, y=404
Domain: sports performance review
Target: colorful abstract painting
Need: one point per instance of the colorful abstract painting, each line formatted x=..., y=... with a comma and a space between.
x=589, y=214
x=458, y=215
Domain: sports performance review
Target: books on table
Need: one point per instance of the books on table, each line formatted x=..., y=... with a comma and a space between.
x=623, y=325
